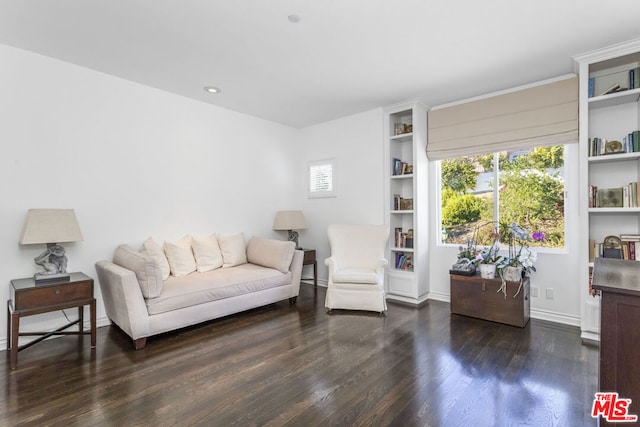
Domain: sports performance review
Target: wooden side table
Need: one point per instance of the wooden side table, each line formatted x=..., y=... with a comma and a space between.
x=28, y=299
x=310, y=258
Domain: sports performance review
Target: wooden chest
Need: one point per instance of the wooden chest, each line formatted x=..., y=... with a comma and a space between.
x=477, y=297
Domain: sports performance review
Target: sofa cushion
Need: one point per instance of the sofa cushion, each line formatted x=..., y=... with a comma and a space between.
x=233, y=249
x=144, y=266
x=200, y=288
x=270, y=253
x=180, y=256
x=207, y=253
x=150, y=247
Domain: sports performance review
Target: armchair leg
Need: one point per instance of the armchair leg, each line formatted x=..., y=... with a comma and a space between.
x=293, y=300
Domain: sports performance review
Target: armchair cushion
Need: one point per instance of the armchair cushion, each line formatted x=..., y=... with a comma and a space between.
x=355, y=275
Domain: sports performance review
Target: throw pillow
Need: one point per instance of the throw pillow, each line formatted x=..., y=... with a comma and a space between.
x=207, y=253
x=150, y=247
x=145, y=267
x=270, y=253
x=180, y=256
x=233, y=249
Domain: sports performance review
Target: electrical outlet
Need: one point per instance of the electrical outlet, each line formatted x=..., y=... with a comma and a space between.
x=534, y=291
x=549, y=294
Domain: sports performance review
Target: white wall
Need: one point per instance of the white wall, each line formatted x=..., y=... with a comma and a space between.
x=132, y=161
x=355, y=143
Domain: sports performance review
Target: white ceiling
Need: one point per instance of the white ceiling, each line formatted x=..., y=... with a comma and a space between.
x=343, y=57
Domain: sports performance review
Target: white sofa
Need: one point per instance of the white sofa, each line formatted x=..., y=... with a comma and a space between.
x=159, y=289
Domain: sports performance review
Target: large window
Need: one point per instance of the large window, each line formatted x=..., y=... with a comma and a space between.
x=525, y=187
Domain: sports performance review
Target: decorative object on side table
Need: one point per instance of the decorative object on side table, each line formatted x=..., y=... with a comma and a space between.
x=290, y=221
x=51, y=227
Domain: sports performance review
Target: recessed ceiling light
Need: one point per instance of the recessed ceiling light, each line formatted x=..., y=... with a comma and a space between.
x=212, y=89
x=294, y=19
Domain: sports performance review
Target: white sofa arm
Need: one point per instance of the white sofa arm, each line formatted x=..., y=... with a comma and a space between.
x=123, y=300
x=296, y=272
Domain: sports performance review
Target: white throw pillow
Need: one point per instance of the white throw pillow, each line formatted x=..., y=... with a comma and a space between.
x=207, y=253
x=180, y=256
x=270, y=253
x=144, y=266
x=150, y=247
x=233, y=249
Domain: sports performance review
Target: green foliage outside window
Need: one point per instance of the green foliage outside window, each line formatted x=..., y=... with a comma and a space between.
x=531, y=193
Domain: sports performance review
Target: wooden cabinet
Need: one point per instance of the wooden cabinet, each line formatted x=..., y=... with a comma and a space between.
x=619, y=284
x=477, y=297
x=608, y=117
x=406, y=210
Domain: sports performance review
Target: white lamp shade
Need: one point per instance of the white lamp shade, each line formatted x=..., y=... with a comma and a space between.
x=289, y=220
x=51, y=226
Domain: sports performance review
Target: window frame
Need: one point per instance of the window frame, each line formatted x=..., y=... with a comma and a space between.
x=540, y=249
x=319, y=193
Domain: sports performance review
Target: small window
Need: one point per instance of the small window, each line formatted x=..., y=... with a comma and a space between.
x=321, y=179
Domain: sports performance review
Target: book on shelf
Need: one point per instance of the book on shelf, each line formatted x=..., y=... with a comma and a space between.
x=634, y=78
x=629, y=248
x=404, y=261
x=611, y=89
x=397, y=166
x=403, y=239
x=592, y=84
x=609, y=198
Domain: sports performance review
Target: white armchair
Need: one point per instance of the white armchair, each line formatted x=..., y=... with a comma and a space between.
x=356, y=267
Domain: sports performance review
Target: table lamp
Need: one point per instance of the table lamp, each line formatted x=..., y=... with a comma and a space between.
x=51, y=227
x=290, y=221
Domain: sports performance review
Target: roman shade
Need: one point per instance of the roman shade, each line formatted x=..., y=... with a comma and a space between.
x=544, y=114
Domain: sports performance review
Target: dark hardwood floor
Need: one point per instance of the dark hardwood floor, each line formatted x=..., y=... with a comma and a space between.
x=298, y=366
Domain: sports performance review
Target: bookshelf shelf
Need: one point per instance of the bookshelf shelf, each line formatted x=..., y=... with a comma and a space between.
x=613, y=158
x=617, y=98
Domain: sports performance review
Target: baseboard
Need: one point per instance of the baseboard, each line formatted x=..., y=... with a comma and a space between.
x=406, y=301
x=439, y=296
x=552, y=316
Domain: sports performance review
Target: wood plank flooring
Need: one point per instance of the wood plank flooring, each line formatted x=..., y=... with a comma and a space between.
x=285, y=365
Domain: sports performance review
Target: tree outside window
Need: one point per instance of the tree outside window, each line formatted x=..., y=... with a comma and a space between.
x=525, y=186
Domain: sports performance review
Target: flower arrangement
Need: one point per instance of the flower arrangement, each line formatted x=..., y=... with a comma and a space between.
x=520, y=256
x=490, y=254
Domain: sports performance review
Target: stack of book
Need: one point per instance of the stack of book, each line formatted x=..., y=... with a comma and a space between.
x=402, y=204
x=619, y=197
x=404, y=261
x=403, y=239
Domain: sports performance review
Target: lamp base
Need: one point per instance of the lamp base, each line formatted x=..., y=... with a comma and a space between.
x=41, y=278
x=293, y=237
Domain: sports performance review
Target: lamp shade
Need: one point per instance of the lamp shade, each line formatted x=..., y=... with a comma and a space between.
x=51, y=226
x=289, y=220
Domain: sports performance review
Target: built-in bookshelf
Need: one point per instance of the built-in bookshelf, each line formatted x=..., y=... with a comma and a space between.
x=405, y=165
x=609, y=161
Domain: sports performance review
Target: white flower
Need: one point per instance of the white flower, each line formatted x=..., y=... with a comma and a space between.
x=527, y=257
